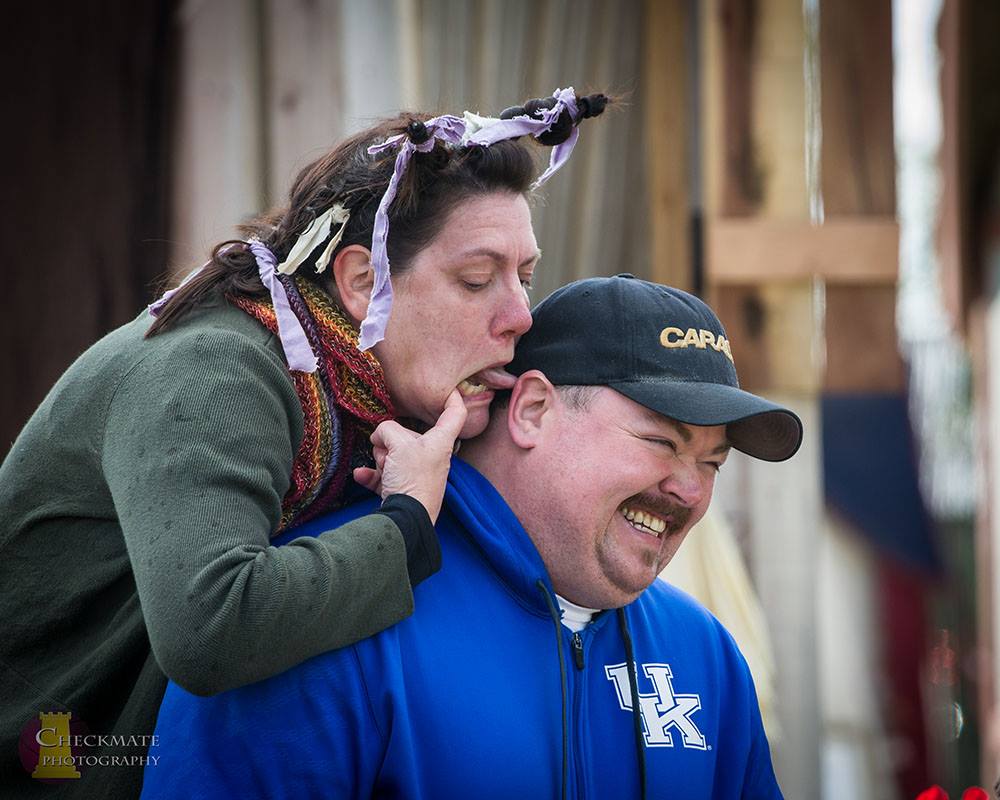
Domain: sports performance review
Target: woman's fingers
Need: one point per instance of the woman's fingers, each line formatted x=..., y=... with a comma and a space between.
x=450, y=423
x=417, y=464
x=370, y=478
x=379, y=453
x=391, y=433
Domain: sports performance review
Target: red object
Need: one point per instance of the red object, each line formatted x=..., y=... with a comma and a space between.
x=903, y=597
x=937, y=793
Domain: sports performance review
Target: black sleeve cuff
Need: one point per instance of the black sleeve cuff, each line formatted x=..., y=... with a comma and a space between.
x=423, y=553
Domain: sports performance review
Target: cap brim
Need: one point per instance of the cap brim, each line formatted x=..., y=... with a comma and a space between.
x=755, y=426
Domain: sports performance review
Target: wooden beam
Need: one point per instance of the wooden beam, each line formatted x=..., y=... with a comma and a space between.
x=665, y=95
x=304, y=88
x=741, y=180
x=862, y=250
x=774, y=339
x=778, y=117
x=860, y=340
x=858, y=163
x=755, y=132
x=218, y=175
x=984, y=346
x=958, y=278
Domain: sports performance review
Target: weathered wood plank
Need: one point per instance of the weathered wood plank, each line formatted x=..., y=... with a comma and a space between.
x=862, y=351
x=304, y=109
x=844, y=250
x=858, y=162
x=219, y=172
x=665, y=96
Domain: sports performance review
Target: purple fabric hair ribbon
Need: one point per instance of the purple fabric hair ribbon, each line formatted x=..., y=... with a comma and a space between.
x=156, y=307
x=452, y=130
x=446, y=128
x=536, y=126
x=298, y=352
x=561, y=152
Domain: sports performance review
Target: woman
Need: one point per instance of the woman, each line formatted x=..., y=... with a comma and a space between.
x=140, y=498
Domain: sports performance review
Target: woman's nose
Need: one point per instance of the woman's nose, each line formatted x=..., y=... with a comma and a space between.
x=514, y=314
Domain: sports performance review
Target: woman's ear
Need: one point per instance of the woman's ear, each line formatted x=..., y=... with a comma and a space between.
x=531, y=403
x=353, y=275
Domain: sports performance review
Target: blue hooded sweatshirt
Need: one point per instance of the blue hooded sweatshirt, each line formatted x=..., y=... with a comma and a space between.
x=484, y=693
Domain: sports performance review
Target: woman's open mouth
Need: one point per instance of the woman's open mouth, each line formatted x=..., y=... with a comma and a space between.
x=491, y=379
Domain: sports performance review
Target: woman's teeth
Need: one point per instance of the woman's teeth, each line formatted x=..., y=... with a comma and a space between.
x=644, y=521
x=467, y=388
x=491, y=379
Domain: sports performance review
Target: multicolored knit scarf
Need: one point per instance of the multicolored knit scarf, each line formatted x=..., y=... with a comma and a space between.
x=342, y=401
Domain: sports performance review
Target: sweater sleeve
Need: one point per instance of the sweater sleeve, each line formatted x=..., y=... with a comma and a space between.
x=199, y=442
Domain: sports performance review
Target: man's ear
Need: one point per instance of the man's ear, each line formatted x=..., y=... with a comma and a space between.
x=354, y=275
x=532, y=402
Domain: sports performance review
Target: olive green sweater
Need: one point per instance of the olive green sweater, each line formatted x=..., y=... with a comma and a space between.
x=138, y=502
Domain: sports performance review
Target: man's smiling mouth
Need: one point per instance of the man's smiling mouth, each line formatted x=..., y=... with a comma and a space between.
x=644, y=521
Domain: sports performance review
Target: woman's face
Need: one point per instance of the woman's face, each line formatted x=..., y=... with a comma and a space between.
x=459, y=309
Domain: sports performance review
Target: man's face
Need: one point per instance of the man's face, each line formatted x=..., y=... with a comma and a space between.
x=623, y=487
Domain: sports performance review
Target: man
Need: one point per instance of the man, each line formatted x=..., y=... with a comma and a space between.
x=544, y=660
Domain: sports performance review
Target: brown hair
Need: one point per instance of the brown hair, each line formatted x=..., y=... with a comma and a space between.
x=433, y=185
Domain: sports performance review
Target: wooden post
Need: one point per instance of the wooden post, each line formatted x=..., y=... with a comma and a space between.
x=808, y=307
x=304, y=88
x=216, y=185
x=755, y=112
x=668, y=129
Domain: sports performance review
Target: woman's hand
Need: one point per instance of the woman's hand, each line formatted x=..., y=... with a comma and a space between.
x=412, y=463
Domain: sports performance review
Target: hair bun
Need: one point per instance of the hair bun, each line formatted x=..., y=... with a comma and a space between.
x=533, y=107
x=592, y=105
x=417, y=132
x=561, y=128
x=513, y=111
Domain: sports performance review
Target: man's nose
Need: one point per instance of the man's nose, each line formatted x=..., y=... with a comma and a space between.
x=684, y=485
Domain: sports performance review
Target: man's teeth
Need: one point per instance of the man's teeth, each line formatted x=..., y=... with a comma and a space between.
x=644, y=520
x=468, y=388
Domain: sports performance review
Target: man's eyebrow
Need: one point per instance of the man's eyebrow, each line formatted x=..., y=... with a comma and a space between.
x=684, y=430
x=496, y=256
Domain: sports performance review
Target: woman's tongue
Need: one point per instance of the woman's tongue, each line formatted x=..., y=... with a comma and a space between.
x=492, y=378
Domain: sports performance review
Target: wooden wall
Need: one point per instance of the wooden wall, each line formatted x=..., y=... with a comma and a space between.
x=268, y=86
x=86, y=139
x=803, y=276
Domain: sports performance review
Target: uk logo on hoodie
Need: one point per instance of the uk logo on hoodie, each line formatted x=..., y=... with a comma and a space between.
x=664, y=711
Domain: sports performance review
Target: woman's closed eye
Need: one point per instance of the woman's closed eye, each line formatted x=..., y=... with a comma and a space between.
x=476, y=280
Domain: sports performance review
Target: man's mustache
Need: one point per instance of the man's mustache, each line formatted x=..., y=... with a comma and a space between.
x=678, y=514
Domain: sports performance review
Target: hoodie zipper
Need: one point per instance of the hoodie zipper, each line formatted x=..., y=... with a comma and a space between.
x=578, y=650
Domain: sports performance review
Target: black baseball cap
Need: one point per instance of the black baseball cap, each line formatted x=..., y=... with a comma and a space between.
x=659, y=346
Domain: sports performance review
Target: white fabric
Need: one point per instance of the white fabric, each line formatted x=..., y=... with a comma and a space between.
x=311, y=238
x=575, y=617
